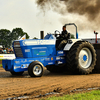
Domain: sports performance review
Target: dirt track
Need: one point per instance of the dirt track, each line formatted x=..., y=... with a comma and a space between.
x=14, y=86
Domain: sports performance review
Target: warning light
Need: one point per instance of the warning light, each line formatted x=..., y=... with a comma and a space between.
x=52, y=58
x=95, y=36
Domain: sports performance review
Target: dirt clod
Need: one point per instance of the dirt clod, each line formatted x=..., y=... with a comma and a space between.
x=57, y=89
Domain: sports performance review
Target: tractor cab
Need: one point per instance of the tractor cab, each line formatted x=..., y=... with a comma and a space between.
x=58, y=38
x=60, y=44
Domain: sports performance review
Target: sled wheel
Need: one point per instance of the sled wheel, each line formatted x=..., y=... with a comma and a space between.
x=81, y=58
x=35, y=69
x=17, y=73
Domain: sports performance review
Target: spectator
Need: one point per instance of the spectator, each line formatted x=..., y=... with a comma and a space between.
x=4, y=50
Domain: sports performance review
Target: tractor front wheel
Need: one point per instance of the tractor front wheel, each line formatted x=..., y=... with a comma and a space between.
x=35, y=69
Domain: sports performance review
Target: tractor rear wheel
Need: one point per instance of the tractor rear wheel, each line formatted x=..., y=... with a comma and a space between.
x=81, y=58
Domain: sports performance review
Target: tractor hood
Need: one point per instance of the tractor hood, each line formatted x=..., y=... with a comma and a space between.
x=30, y=48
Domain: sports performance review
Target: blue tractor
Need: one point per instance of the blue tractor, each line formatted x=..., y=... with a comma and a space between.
x=33, y=55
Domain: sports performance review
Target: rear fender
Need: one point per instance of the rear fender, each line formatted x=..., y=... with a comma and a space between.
x=70, y=43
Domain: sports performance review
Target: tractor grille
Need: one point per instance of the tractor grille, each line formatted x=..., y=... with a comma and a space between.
x=18, y=52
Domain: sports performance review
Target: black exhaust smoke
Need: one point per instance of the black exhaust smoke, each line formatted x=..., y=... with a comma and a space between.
x=90, y=8
x=87, y=12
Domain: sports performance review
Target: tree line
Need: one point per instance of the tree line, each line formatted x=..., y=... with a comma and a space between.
x=7, y=36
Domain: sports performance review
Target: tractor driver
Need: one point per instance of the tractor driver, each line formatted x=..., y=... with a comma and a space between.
x=64, y=37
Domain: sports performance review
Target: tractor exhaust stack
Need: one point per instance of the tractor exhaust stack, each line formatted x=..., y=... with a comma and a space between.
x=41, y=34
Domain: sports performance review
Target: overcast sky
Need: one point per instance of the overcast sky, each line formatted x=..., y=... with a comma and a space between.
x=26, y=15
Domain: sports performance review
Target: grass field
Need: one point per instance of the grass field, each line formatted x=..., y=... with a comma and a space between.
x=93, y=95
x=0, y=63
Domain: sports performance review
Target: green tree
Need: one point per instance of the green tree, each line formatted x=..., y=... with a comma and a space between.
x=35, y=38
x=18, y=33
x=5, y=38
x=72, y=36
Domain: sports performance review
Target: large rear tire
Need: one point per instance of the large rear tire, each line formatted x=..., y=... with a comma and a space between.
x=81, y=58
x=35, y=69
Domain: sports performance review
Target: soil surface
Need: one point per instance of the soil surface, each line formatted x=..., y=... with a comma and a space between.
x=15, y=86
